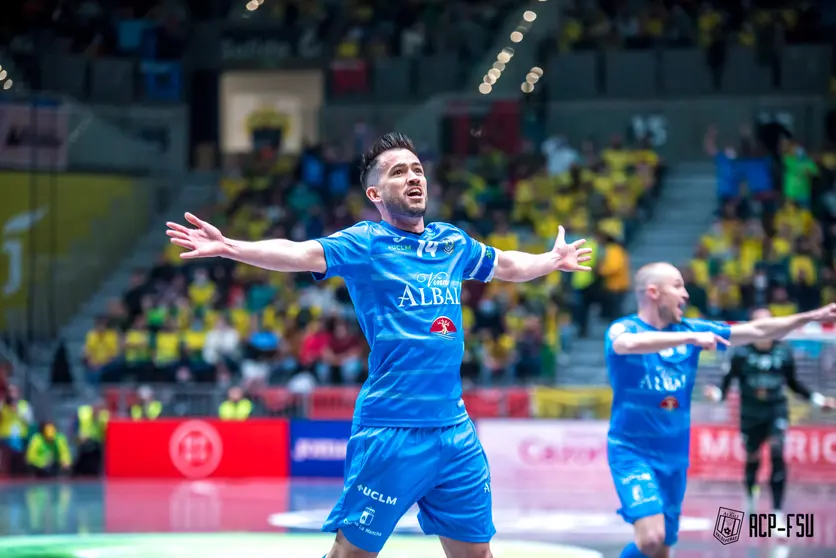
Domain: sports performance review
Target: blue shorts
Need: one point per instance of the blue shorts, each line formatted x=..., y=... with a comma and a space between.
x=388, y=470
x=645, y=490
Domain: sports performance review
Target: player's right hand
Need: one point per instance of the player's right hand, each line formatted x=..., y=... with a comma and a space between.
x=204, y=241
x=708, y=341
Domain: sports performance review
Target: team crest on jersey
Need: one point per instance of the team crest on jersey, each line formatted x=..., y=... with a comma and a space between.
x=444, y=327
x=669, y=403
x=448, y=246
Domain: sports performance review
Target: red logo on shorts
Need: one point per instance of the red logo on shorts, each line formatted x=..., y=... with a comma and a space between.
x=444, y=327
x=669, y=403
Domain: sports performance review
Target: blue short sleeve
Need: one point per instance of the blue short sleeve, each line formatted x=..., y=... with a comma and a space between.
x=617, y=329
x=717, y=328
x=480, y=260
x=346, y=252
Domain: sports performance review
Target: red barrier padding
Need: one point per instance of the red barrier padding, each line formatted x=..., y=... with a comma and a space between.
x=333, y=403
x=197, y=449
x=497, y=403
x=278, y=400
x=717, y=454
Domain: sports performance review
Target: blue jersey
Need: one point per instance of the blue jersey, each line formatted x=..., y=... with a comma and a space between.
x=651, y=407
x=406, y=289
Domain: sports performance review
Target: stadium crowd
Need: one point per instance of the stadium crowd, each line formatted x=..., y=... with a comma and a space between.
x=772, y=244
x=220, y=321
x=683, y=23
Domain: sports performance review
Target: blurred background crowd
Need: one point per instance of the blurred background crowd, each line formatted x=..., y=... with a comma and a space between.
x=237, y=330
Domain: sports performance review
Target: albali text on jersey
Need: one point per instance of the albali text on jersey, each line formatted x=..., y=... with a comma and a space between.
x=406, y=289
x=651, y=408
x=762, y=375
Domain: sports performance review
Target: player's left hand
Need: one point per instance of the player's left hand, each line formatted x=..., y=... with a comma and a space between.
x=824, y=314
x=571, y=255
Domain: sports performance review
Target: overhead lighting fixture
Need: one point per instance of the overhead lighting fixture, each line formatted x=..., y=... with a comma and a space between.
x=7, y=85
x=509, y=51
x=485, y=88
x=516, y=37
x=527, y=87
x=495, y=73
x=489, y=79
x=499, y=66
x=3, y=75
x=252, y=5
x=537, y=71
x=529, y=16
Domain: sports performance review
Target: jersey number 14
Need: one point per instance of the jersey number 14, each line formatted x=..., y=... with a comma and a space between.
x=430, y=247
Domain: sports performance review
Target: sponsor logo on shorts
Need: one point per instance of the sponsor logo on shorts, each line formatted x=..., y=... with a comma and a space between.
x=444, y=327
x=362, y=524
x=376, y=496
x=669, y=403
x=367, y=517
x=728, y=525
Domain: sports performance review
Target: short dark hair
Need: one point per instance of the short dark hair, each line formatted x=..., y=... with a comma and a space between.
x=392, y=140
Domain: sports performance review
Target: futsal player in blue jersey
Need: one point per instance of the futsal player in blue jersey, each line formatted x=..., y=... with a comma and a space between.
x=412, y=441
x=652, y=359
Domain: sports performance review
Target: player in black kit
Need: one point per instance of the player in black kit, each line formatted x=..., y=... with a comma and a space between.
x=762, y=371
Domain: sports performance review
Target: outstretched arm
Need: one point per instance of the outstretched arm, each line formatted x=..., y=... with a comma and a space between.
x=206, y=241
x=279, y=254
x=519, y=267
x=770, y=329
x=648, y=342
x=800, y=389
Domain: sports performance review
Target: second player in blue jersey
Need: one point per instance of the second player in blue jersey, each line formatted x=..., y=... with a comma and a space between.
x=412, y=440
x=652, y=359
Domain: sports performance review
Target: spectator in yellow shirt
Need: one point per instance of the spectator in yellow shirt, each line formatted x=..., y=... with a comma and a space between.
x=167, y=353
x=137, y=350
x=781, y=305
x=614, y=270
x=194, y=342
x=502, y=237
x=498, y=357
x=616, y=157
x=202, y=291
x=101, y=349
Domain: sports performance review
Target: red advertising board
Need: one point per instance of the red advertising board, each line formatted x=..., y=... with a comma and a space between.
x=197, y=449
x=717, y=454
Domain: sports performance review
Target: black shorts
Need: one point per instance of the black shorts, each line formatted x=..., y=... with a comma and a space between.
x=755, y=434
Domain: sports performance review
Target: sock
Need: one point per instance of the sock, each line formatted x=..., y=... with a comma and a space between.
x=751, y=476
x=631, y=551
x=778, y=480
x=778, y=494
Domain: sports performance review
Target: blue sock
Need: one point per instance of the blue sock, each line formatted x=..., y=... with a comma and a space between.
x=631, y=551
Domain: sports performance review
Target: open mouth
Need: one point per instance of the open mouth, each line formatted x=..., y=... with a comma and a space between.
x=415, y=193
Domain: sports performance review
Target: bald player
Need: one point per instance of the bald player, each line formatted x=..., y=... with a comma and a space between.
x=652, y=361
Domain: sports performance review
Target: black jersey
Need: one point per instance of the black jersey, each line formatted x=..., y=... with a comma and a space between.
x=762, y=375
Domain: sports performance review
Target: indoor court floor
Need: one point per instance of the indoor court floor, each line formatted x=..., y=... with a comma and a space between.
x=221, y=519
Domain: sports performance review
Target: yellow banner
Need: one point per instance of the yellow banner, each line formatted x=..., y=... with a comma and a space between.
x=46, y=215
x=572, y=402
